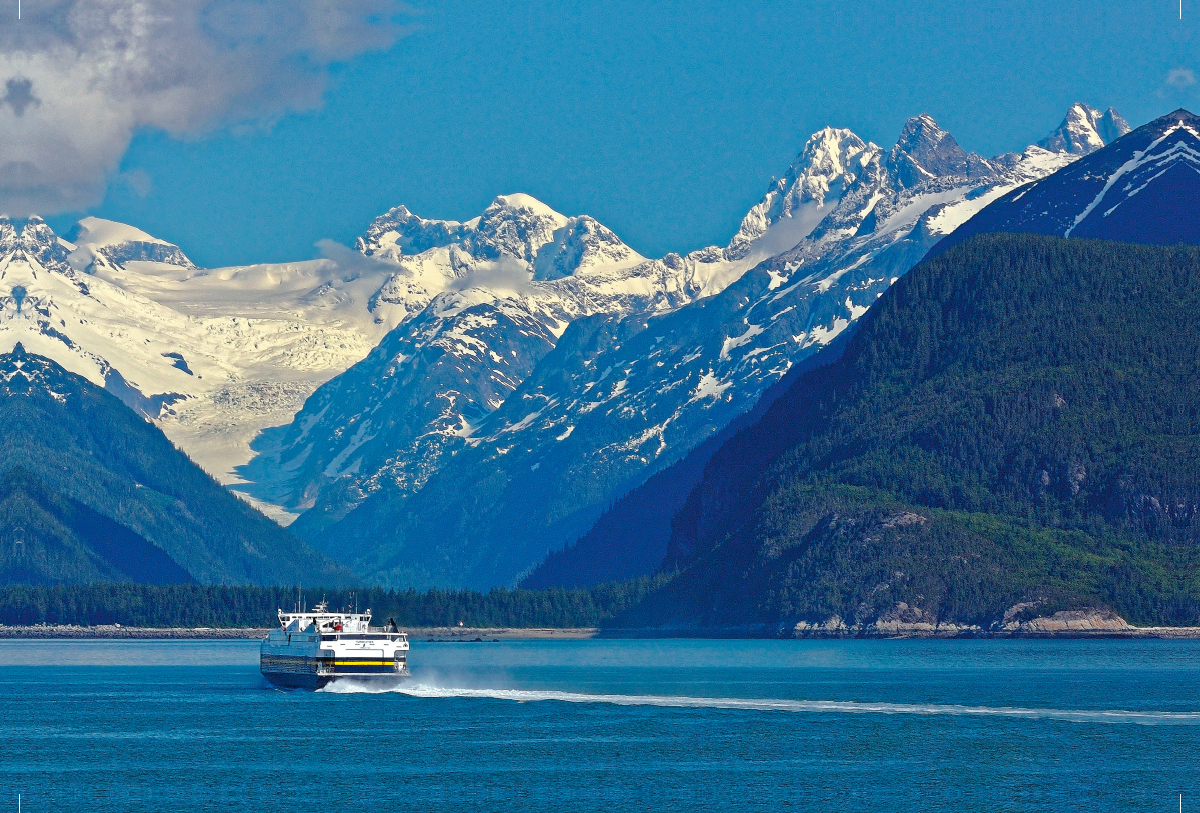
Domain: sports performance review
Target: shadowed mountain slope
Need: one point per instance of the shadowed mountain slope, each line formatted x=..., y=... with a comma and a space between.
x=1016, y=423
x=1142, y=188
x=89, y=491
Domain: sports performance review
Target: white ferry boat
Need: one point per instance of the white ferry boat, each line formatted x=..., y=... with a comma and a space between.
x=313, y=647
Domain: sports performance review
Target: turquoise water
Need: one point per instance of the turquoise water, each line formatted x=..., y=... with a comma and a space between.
x=612, y=726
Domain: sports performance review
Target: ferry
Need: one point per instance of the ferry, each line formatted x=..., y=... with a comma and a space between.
x=312, y=648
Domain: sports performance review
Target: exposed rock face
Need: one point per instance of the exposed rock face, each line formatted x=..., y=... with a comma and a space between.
x=1085, y=130
x=1070, y=621
x=901, y=621
x=925, y=151
x=904, y=621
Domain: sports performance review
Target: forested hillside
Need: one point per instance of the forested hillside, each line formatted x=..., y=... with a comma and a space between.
x=89, y=491
x=1016, y=422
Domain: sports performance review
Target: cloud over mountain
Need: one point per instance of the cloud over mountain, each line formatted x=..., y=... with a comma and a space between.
x=81, y=76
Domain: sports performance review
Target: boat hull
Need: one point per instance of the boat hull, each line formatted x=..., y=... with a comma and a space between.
x=310, y=650
x=312, y=682
x=286, y=680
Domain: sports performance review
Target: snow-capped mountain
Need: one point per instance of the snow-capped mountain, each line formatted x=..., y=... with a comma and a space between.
x=524, y=343
x=542, y=268
x=830, y=163
x=213, y=356
x=1146, y=189
x=497, y=291
x=1085, y=130
x=104, y=245
x=620, y=396
x=514, y=225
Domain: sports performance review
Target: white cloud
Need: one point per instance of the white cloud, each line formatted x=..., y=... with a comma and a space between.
x=1180, y=78
x=353, y=262
x=79, y=77
x=503, y=275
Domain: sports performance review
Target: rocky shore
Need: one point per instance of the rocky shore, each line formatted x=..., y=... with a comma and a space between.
x=910, y=622
x=1062, y=624
x=901, y=622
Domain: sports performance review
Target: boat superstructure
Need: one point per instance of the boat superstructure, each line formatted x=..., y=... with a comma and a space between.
x=311, y=648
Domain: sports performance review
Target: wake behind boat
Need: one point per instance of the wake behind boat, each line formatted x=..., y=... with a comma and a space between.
x=313, y=647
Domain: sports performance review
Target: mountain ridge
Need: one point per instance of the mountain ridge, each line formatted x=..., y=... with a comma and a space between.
x=645, y=388
x=90, y=491
x=977, y=447
x=1139, y=193
x=1076, y=133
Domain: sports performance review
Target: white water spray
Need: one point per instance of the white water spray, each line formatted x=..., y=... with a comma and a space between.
x=772, y=704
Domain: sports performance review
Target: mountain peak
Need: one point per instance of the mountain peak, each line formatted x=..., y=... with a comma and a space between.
x=398, y=231
x=581, y=244
x=107, y=245
x=828, y=155
x=516, y=224
x=36, y=241
x=522, y=201
x=1142, y=188
x=1084, y=130
x=102, y=232
x=1173, y=121
x=832, y=159
x=922, y=133
x=37, y=229
x=19, y=369
x=926, y=151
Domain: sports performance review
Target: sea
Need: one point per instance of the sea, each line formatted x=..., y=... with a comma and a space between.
x=610, y=725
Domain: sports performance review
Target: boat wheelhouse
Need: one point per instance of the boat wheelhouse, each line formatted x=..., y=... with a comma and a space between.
x=311, y=648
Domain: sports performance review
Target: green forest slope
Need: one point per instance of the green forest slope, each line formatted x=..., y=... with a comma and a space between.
x=1017, y=421
x=90, y=492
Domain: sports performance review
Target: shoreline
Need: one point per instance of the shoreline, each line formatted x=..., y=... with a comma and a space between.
x=496, y=634
x=427, y=634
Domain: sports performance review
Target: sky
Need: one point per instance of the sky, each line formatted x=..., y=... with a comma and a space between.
x=249, y=130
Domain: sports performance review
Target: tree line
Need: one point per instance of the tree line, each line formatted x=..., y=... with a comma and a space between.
x=189, y=605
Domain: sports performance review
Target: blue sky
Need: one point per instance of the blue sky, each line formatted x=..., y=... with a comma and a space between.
x=665, y=121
